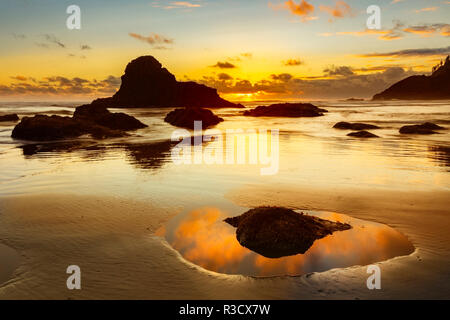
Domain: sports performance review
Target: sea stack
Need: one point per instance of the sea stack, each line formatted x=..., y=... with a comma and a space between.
x=146, y=83
x=433, y=87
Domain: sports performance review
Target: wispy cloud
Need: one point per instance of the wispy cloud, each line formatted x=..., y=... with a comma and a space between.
x=427, y=30
x=176, y=5
x=411, y=52
x=51, y=39
x=18, y=36
x=426, y=9
x=399, y=30
x=386, y=35
x=340, y=10
x=154, y=39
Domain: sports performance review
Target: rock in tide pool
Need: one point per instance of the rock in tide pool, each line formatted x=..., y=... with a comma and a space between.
x=354, y=126
x=292, y=110
x=362, y=134
x=9, y=117
x=276, y=232
x=185, y=117
x=425, y=128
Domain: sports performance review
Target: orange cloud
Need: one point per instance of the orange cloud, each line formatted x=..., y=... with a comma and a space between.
x=426, y=9
x=386, y=35
x=20, y=78
x=292, y=62
x=340, y=10
x=427, y=30
x=304, y=9
x=445, y=31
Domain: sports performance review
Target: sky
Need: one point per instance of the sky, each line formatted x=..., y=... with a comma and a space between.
x=248, y=50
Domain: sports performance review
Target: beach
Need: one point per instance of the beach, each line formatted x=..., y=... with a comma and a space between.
x=101, y=205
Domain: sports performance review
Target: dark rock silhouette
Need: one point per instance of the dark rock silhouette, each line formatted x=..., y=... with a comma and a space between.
x=9, y=117
x=276, y=232
x=286, y=110
x=96, y=121
x=354, y=126
x=185, y=117
x=42, y=128
x=103, y=117
x=425, y=128
x=433, y=87
x=362, y=134
x=147, y=84
x=354, y=99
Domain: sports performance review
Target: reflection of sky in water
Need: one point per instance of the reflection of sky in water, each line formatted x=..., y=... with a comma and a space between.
x=201, y=236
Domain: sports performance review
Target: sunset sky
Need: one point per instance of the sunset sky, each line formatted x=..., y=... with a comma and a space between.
x=248, y=50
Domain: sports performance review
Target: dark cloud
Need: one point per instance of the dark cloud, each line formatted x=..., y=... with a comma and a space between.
x=343, y=83
x=338, y=71
x=59, y=85
x=85, y=47
x=281, y=77
x=411, y=52
x=224, y=76
x=292, y=62
x=224, y=65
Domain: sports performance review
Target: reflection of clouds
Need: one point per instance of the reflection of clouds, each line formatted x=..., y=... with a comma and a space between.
x=204, y=239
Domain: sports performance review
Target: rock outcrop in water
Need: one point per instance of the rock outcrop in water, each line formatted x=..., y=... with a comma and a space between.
x=425, y=128
x=185, y=117
x=433, y=87
x=276, y=232
x=95, y=121
x=362, y=134
x=9, y=118
x=354, y=126
x=147, y=84
x=102, y=116
x=292, y=110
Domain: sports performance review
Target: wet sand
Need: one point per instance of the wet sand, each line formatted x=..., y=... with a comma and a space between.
x=112, y=240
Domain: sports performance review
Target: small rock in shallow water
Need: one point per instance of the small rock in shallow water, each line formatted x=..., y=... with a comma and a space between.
x=425, y=128
x=291, y=110
x=9, y=117
x=362, y=134
x=354, y=126
x=185, y=117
